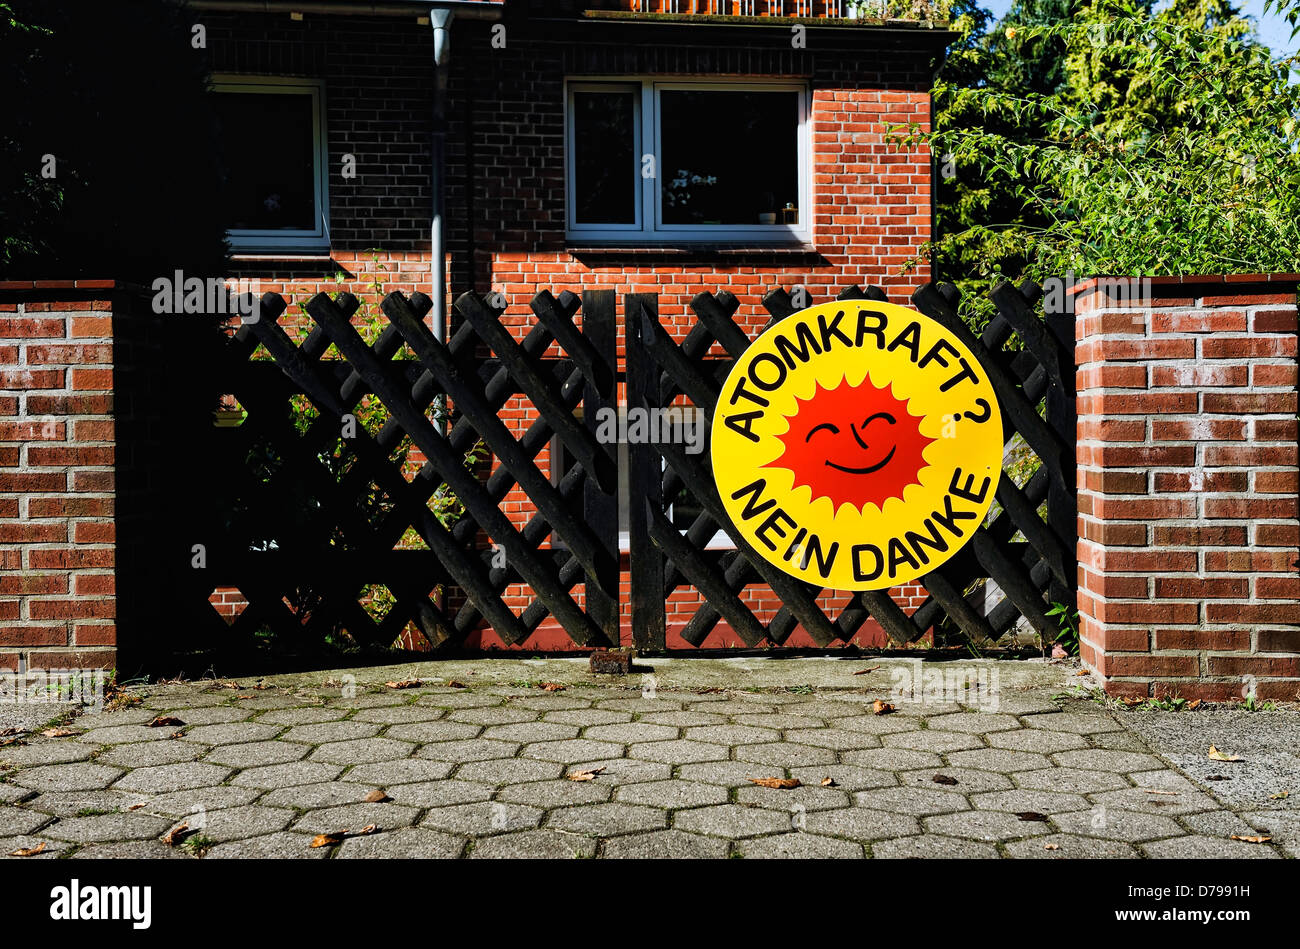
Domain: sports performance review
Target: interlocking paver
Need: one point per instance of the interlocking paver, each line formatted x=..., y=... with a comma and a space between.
x=535, y=845
x=732, y=821
x=46, y=752
x=15, y=821
x=808, y=797
x=285, y=845
x=231, y=733
x=459, y=700
x=845, y=777
x=679, y=751
x=237, y=823
x=287, y=775
x=122, y=734
x=498, y=771
x=1078, y=723
x=998, y=759
x=180, y=803
x=133, y=825
x=257, y=753
x=173, y=777
x=70, y=803
x=439, y=793
x=482, y=819
x=493, y=715
x=1037, y=739
x=985, y=825
x=606, y=820
x=1074, y=780
x=939, y=742
x=1043, y=802
x=434, y=731
x=408, y=770
x=53, y=848
x=732, y=734
x=878, y=724
x=1095, y=759
x=310, y=796
x=1206, y=848
x=132, y=850
x=583, y=717
x=353, y=817
x=778, y=721
x=891, y=759
x=532, y=731
x=837, y=739
x=1115, y=824
x=78, y=776
x=975, y=723
x=323, y=732
x=362, y=751
x=969, y=780
x=665, y=845
x=860, y=823
x=301, y=716
x=799, y=846
x=672, y=794
x=686, y=719
x=932, y=847
x=471, y=749
x=559, y=793
x=572, y=750
x=916, y=801
x=399, y=714
x=631, y=732
x=785, y=754
x=555, y=702
x=1067, y=847
x=148, y=754
x=408, y=843
x=617, y=771
x=1142, y=801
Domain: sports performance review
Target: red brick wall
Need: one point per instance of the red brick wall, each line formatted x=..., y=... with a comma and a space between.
x=57, y=556
x=1189, y=538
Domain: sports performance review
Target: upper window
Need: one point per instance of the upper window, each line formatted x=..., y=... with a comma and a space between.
x=651, y=160
x=274, y=159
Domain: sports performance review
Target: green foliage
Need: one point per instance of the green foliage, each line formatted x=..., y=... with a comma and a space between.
x=1105, y=137
x=1068, y=637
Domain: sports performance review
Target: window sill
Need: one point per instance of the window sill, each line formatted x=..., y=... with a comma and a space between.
x=693, y=250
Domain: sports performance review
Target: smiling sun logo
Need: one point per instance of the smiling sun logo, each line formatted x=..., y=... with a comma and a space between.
x=856, y=445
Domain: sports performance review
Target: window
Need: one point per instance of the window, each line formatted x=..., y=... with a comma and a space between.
x=274, y=158
x=674, y=161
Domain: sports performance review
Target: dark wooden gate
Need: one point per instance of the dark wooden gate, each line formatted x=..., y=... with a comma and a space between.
x=485, y=496
x=1027, y=548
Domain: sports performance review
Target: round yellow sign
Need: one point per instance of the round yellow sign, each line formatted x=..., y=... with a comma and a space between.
x=857, y=445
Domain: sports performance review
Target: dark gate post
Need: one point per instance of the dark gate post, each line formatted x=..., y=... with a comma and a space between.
x=645, y=480
x=600, y=508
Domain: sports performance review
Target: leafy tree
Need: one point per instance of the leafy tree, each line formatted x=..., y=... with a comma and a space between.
x=108, y=153
x=1107, y=137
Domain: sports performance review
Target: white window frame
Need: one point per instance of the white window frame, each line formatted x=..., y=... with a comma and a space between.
x=247, y=240
x=649, y=227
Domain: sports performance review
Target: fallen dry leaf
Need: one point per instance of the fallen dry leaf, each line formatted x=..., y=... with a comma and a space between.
x=1251, y=840
x=175, y=835
x=782, y=784
x=59, y=732
x=29, y=851
x=828, y=782
x=166, y=721
x=261, y=687
x=1280, y=796
x=1082, y=672
x=1131, y=700
x=230, y=685
x=881, y=707
x=8, y=731
x=404, y=684
x=1217, y=777
x=552, y=687
x=862, y=672
x=944, y=779
x=246, y=695
x=454, y=684
x=326, y=840
x=1216, y=755
x=12, y=741
x=136, y=807
x=1051, y=846
x=1158, y=791
x=587, y=775
x=377, y=796
x=1032, y=816
x=1194, y=704
x=365, y=831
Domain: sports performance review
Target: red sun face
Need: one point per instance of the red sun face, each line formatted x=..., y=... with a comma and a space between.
x=856, y=445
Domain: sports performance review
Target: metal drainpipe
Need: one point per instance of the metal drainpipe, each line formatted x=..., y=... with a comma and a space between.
x=440, y=20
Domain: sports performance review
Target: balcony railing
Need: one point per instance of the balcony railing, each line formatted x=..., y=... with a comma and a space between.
x=832, y=9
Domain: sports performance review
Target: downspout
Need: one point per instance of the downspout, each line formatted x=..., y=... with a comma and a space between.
x=440, y=20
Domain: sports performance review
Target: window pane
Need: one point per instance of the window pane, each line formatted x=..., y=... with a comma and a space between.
x=604, y=166
x=269, y=160
x=729, y=157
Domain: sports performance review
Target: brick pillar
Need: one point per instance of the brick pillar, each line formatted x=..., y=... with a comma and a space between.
x=1189, y=520
x=57, y=531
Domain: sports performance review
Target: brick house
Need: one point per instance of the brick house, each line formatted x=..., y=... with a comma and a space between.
x=566, y=144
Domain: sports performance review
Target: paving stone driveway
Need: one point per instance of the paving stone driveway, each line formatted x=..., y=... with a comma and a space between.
x=483, y=772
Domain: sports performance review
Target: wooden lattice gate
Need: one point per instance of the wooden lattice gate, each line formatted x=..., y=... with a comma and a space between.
x=470, y=482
